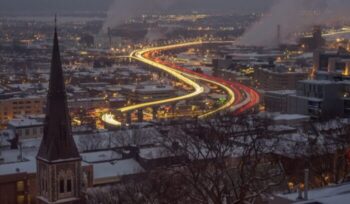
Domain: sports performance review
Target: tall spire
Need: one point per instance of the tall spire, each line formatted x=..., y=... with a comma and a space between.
x=55, y=21
x=57, y=143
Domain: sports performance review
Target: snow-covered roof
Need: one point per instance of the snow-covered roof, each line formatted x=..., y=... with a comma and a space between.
x=291, y=117
x=28, y=166
x=154, y=153
x=313, y=81
x=117, y=168
x=148, y=88
x=100, y=156
x=25, y=122
x=338, y=194
x=281, y=92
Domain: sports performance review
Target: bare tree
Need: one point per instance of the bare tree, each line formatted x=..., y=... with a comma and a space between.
x=226, y=160
x=154, y=187
x=329, y=149
x=90, y=142
x=322, y=149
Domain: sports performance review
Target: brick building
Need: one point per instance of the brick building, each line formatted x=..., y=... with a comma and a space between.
x=12, y=107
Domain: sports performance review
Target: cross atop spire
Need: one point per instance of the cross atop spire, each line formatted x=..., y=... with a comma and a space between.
x=57, y=143
x=55, y=22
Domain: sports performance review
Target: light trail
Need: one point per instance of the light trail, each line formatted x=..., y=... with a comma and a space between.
x=195, y=75
x=110, y=119
x=138, y=55
x=241, y=104
x=227, y=89
x=184, y=75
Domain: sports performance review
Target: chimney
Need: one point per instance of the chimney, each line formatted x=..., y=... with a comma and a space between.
x=109, y=36
x=14, y=142
x=300, y=192
x=278, y=34
x=20, y=156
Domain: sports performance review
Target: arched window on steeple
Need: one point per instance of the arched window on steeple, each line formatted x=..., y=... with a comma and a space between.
x=62, y=185
x=61, y=181
x=69, y=185
x=65, y=179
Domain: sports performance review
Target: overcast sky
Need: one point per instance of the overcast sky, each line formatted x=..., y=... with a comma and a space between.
x=36, y=6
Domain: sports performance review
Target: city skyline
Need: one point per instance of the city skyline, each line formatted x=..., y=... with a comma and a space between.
x=151, y=101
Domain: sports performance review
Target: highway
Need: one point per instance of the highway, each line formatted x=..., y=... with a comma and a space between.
x=345, y=30
x=139, y=55
x=233, y=90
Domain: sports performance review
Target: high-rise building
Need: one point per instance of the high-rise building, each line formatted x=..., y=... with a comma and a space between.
x=334, y=62
x=318, y=99
x=279, y=34
x=58, y=159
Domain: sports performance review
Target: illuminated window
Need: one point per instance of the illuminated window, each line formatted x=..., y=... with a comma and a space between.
x=20, y=186
x=20, y=199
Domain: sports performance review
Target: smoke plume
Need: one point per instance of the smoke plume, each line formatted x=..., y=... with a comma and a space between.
x=123, y=10
x=293, y=16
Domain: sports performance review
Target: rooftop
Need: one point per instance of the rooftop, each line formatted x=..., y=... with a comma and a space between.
x=25, y=122
x=327, y=195
x=117, y=168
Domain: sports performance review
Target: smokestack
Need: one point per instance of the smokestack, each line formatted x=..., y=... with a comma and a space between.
x=317, y=31
x=109, y=36
x=306, y=184
x=278, y=34
x=20, y=156
x=317, y=37
x=291, y=15
x=14, y=142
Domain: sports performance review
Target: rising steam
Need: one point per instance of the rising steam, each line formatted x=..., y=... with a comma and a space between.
x=123, y=10
x=293, y=16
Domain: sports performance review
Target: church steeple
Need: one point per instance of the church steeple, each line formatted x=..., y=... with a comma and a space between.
x=58, y=159
x=57, y=143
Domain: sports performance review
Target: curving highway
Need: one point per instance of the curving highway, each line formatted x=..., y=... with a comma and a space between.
x=344, y=30
x=235, y=91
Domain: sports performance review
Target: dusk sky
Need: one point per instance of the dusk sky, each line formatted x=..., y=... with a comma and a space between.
x=81, y=5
